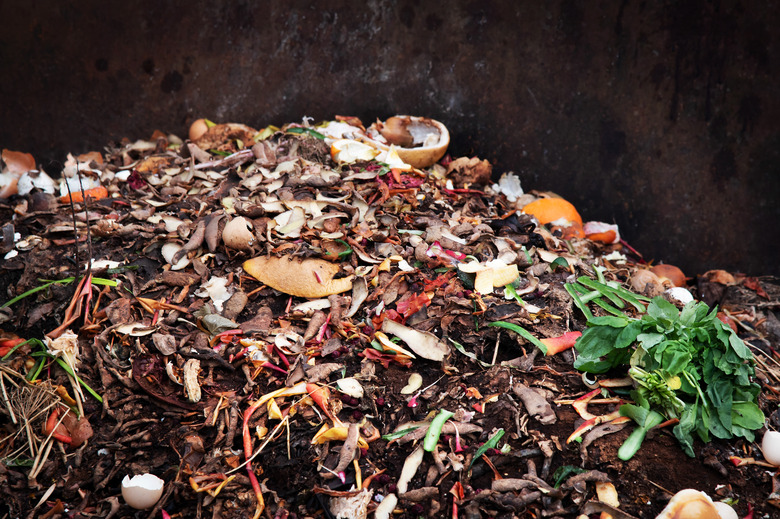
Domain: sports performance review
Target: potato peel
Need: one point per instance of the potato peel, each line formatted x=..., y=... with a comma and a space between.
x=310, y=278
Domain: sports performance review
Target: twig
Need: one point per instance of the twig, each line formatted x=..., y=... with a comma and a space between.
x=238, y=157
x=48, y=442
x=495, y=349
x=660, y=487
x=5, y=399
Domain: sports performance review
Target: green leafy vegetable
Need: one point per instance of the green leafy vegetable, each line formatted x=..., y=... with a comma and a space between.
x=399, y=434
x=434, y=430
x=686, y=364
x=490, y=444
x=645, y=420
x=525, y=334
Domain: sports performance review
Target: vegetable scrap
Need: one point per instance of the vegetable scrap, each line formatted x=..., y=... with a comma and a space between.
x=347, y=320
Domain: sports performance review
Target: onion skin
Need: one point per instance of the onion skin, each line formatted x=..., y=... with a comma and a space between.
x=669, y=272
x=197, y=129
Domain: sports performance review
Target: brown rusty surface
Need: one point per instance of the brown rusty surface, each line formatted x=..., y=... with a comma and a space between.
x=663, y=119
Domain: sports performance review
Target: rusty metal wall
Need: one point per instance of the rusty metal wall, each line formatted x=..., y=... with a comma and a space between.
x=660, y=116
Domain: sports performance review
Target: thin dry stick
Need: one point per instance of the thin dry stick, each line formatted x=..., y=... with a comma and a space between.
x=5, y=399
x=258, y=451
x=40, y=460
x=495, y=349
x=48, y=442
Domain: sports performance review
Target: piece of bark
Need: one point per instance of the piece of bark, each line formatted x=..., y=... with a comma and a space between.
x=178, y=278
x=511, y=484
x=536, y=405
x=420, y=494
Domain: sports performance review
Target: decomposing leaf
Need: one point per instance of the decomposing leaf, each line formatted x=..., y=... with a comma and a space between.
x=311, y=278
x=424, y=344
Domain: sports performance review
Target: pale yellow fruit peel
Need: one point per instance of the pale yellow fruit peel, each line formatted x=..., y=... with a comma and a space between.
x=490, y=275
x=310, y=278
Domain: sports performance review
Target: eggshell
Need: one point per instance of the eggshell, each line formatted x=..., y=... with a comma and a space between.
x=678, y=295
x=33, y=179
x=770, y=445
x=169, y=250
x=725, y=511
x=423, y=156
x=238, y=235
x=197, y=128
x=689, y=504
x=142, y=491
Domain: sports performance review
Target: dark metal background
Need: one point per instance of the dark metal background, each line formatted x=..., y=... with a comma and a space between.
x=660, y=116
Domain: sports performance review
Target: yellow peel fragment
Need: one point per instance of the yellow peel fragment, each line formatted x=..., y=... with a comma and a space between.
x=491, y=275
x=326, y=434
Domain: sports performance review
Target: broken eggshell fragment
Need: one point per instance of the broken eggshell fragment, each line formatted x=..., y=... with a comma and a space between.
x=142, y=491
x=494, y=273
x=418, y=141
x=310, y=278
x=169, y=250
x=238, y=234
x=690, y=504
x=36, y=179
x=16, y=164
x=678, y=295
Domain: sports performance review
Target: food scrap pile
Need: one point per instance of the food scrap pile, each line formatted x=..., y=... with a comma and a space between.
x=334, y=320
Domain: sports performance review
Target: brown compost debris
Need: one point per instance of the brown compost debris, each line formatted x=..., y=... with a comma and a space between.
x=301, y=322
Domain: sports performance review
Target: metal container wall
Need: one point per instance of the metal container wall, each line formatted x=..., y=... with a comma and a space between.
x=659, y=116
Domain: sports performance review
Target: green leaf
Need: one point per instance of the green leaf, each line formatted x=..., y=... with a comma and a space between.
x=747, y=415
x=661, y=309
x=563, y=473
x=399, y=434
x=597, y=341
x=682, y=431
x=522, y=332
x=609, y=320
x=490, y=444
x=628, y=335
x=300, y=130
x=434, y=430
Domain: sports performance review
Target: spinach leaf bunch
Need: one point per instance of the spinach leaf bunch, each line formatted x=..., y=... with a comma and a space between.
x=686, y=364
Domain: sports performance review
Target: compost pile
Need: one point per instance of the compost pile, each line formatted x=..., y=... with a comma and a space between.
x=297, y=322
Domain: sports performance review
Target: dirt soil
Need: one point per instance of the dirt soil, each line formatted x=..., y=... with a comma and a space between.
x=183, y=357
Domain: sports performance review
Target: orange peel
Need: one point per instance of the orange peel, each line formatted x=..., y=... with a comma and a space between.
x=310, y=278
x=601, y=232
x=549, y=210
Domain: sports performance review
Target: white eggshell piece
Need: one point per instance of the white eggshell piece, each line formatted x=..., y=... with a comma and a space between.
x=678, y=295
x=350, y=386
x=770, y=445
x=725, y=511
x=142, y=491
x=169, y=250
